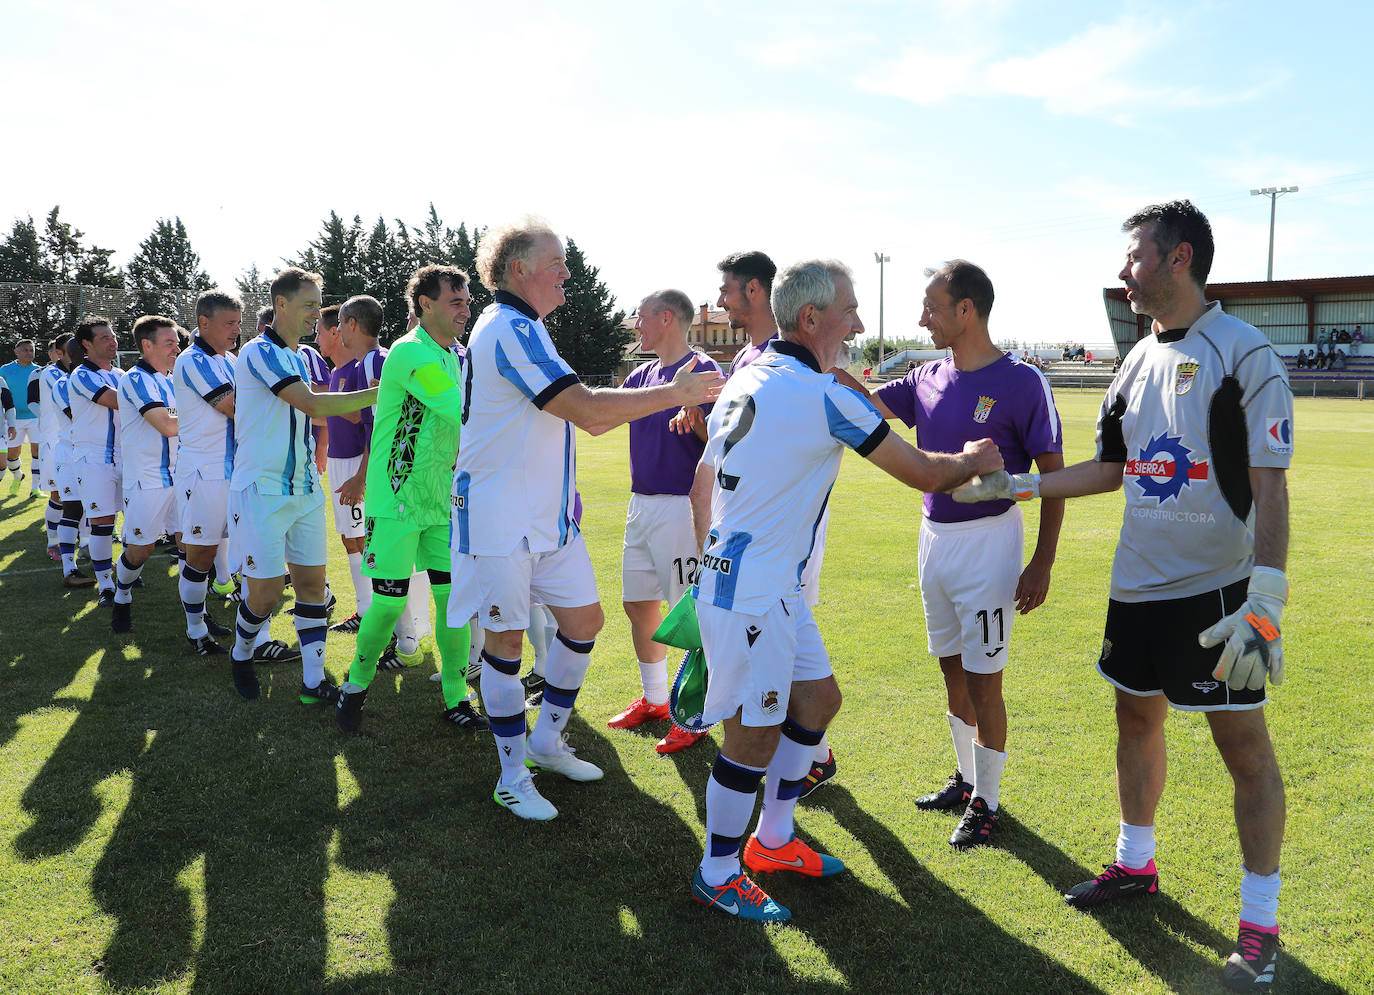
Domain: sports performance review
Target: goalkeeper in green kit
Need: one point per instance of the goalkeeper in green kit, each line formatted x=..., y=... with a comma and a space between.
x=409, y=476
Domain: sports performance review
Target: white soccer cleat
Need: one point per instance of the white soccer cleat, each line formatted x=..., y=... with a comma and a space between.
x=562, y=761
x=524, y=800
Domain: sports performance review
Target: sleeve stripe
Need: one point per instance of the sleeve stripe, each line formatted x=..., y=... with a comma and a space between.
x=554, y=389
x=150, y=406
x=1055, y=427
x=282, y=384
x=874, y=440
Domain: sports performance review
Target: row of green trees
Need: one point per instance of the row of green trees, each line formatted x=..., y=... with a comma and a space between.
x=353, y=259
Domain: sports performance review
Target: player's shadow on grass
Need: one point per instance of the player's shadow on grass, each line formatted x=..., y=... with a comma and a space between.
x=1149, y=928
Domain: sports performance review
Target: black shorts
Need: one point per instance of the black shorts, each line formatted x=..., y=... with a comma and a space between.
x=1151, y=647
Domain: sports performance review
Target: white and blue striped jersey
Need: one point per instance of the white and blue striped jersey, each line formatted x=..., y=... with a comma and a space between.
x=775, y=439
x=149, y=457
x=61, y=390
x=275, y=448
x=205, y=437
x=95, y=428
x=50, y=415
x=516, y=476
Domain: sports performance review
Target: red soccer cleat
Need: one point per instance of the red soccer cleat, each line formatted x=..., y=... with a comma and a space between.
x=639, y=712
x=678, y=739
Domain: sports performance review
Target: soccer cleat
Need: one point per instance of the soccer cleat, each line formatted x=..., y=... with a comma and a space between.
x=739, y=897
x=54, y=555
x=820, y=773
x=215, y=628
x=794, y=855
x=350, y=707
x=77, y=579
x=411, y=659
x=105, y=598
x=16, y=483
x=227, y=588
x=1115, y=881
x=275, y=651
x=534, y=690
x=390, y=659
x=206, y=646
x=1252, y=964
x=245, y=678
x=465, y=716
x=323, y=693
x=975, y=828
x=562, y=761
x=639, y=712
x=350, y=624
x=955, y=794
x=678, y=739
x=122, y=618
x=522, y=799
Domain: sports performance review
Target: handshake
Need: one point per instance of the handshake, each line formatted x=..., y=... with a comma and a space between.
x=999, y=485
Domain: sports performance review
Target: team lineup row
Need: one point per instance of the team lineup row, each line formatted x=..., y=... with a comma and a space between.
x=465, y=460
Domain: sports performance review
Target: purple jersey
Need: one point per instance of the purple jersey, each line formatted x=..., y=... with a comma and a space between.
x=748, y=354
x=345, y=437
x=661, y=461
x=369, y=374
x=1007, y=401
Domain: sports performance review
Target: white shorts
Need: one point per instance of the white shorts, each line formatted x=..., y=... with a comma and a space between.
x=660, y=557
x=348, y=520
x=25, y=430
x=47, y=467
x=98, y=488
x=753, y=660
x=272, y=530
x=811, y=576
x=202, y=509
x=499, y=589
x=968, y=573
x=64, y=465
x=149, y=514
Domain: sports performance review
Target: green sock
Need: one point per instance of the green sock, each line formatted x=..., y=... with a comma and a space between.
x=373, y=635
x=453, y=650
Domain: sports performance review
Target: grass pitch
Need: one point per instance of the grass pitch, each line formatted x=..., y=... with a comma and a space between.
x=159, y=834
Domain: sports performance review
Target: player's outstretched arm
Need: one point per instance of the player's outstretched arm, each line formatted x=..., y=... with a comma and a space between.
x=934, y=471
x=1088, y=477
x=303, y=399
x=598, y=411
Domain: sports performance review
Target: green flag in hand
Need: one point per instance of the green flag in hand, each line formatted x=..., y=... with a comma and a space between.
x=680, y=627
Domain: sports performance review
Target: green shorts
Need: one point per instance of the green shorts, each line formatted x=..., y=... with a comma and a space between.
x=394, y=549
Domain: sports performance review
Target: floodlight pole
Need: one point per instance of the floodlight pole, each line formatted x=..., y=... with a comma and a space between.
x=880, y=259
x=1273, y=193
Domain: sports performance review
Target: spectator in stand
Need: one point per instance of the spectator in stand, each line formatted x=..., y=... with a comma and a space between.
x=1321, y=336
x=1343, y=337
x=1338, y=359
x=1322, y=358
x=1300, y=363
x=1068, y=352
x=1356, y=339
x=1116, y=364
x=1088, y=357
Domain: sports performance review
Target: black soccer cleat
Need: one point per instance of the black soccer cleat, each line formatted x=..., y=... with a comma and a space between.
x=349, y=711
x=105, y=599
x=351, y=624
x=820, y=773
x=1115, y=881
x=215, y=628
x=465, y=716
x=954, y=795
x=206, y=646
x=534, y=690
x=975, y=828
x=245, y=678
x=1252, y=964
x=276, y=651
x=78, y=579
x=323, y=693
x=122, y=618
x=390, y=660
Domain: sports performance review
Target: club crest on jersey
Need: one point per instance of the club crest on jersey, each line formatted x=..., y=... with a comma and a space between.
x=250, y=562
x=1183, y=381
x=195, y=530
x=983, y=408
x=768, y=701
x=495, y=613
x=371, y=560
x=1278, y=436
x=1164, y=467
x=138, y=532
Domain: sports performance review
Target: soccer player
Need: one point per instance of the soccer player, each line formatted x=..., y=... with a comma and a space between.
x=50, y=427
x=776, y=438
x=147, y=434
x=969, y=558
x=514, y=533
x=1198, y=424
x=660, y=554
x=93, y=391
x=275, y=501
x=69, y=527
x=418, y=421
x=22, y=378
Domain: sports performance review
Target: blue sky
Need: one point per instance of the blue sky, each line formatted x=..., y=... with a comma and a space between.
x=662, y=137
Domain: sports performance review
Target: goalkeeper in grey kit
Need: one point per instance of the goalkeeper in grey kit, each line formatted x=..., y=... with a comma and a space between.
x=1198, y=428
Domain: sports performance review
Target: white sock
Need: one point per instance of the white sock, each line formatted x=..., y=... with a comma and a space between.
x=417, y=605
x=248, y=627
x=1259, y=898
x=538, y=636
x=822, y=753
x=503, y=699
x=786, y=777
x=264, y=634
x=987, y=773
x=568, y=663
x=125, y=575
x=1135, y=846
x=312, y=629
x=192, y=585
x=962, y=734
x=730, y=795
x=222, y=571
x=362, y=586
x=654, y=678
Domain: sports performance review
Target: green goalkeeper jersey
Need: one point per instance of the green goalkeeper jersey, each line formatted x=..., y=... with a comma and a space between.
x=415, y=432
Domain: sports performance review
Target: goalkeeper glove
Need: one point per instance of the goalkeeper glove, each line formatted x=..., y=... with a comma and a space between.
x=1254, y=644
x=999, y=486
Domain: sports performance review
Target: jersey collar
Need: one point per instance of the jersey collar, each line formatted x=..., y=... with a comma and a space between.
x=274, y=337
x=204, y=346
x=514, y=300
x=86, y=362
x=144, y=365
x=786, y=348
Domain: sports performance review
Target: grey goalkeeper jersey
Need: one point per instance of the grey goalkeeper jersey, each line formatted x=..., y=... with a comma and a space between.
x=1188, y=414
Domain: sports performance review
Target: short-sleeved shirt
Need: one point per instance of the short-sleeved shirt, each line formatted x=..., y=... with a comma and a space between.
x=7, y=405
x=345, y=437
x=149, y=457
x=61, y=390
x=370, y=375
x=415, y=439
x=1188, y=414
x=776, y=437
x=748, y=353
x=202, y=378
x=50, y=416
x=275, y=448
x=95, y=428
x=1007, y=401
x=661, y=461
x=18, y=377
x=517, y=470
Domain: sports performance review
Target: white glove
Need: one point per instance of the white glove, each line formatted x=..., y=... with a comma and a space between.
x=1254, y=645
x=998, y=486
